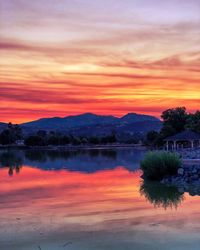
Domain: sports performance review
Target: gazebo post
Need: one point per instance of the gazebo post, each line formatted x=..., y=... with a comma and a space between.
x=167, y=145
x=192, y=144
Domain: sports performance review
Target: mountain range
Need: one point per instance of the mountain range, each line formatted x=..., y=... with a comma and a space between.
x=2, y=125
x=92, y=124
x=86, y=119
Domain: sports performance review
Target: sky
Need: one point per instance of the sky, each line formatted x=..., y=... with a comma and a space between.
x=66, y=57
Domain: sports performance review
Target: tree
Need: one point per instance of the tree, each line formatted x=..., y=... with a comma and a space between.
x=53, y=140
x=174, y=121
x=34, y=140
x=64, y=140
x=111, y=138
x=94, y=140
x=151, y=137
x=10, y=134
x=76, y=140
x=42, y=133
x=17, y=132
x=6, y=137
x=194, y=122
x=84, y=140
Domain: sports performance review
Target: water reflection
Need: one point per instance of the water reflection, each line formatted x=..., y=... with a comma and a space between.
x=161, y=195
x=12, y=161
x=92, y=200
x=87, y=161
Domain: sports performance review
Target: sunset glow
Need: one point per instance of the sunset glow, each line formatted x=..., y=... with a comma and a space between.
x=106, y=56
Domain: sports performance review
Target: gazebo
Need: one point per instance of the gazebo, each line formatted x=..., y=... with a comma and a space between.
x=184, y=139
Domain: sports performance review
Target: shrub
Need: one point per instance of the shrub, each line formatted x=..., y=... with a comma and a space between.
x=157, y=165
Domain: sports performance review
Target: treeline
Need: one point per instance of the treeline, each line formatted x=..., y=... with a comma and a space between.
x=14, y=160
x=42, y=138
x=174, y=121
x=11, y=134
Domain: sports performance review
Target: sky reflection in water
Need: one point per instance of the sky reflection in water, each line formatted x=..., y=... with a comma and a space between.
x=90, y=200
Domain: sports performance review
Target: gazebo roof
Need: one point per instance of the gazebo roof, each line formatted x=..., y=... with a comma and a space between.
x=184, y=136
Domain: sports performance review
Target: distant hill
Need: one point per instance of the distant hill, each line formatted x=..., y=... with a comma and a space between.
x=92, y=124
x=133, y=117
x=2, y=126
x=132, y=126
x=121, y=129
x=68, y=122
x=87, y=119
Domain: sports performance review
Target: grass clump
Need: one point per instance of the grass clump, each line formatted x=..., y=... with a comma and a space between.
x=157, y=165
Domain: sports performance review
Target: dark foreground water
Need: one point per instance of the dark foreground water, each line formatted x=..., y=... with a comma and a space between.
x=85, y=200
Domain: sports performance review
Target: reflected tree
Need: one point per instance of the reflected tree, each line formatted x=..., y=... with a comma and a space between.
x=36, y=155
x=94, y=152
x=84, y=160
x=11, y=160
x=111, y=153
x=161, y=195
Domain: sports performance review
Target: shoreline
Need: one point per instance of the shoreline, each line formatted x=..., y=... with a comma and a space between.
x=187, y=178
x=73, y=147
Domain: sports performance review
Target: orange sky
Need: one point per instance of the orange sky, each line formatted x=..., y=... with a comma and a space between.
x=107, y=57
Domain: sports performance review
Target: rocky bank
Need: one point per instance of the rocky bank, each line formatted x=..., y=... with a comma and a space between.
x=188, y=176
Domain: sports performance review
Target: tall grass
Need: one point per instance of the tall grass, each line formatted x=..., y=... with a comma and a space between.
x=157, y=165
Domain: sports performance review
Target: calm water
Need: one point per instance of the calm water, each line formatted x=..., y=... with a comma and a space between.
x=86, y=200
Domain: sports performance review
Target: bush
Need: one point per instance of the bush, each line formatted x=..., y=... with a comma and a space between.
x=157, y=165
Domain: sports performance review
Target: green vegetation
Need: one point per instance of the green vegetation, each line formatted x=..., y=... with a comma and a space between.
x=175, y=121
x=157, y=165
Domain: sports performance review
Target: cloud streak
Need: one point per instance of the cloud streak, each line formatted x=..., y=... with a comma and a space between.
x=109, y=57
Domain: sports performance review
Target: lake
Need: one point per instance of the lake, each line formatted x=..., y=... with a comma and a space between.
x=91, y=199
